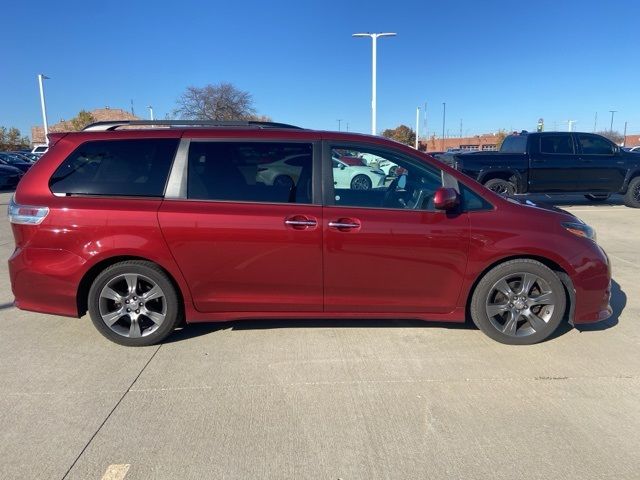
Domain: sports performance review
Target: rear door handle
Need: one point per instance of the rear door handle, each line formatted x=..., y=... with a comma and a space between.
x=300, y=222
x=344, y=224
x=586, y=160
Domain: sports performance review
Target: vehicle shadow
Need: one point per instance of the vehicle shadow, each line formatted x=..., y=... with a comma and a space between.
x=618, y=303
x=198, y=329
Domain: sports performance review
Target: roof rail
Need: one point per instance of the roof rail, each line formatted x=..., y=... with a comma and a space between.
x=115, y=124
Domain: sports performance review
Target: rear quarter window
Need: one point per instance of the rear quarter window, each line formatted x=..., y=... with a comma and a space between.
x=116, y=168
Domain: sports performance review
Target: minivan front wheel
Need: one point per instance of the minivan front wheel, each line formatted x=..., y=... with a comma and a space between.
x=519, y=302
x=134, y=303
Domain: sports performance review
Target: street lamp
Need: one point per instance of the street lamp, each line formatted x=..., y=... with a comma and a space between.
x=612, y=113
x=374, y=43
x=42, y=77
x=150, y=112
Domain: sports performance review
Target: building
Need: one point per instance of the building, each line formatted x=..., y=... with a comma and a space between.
x=632, y=140
x=99, y=114
x=487, y=141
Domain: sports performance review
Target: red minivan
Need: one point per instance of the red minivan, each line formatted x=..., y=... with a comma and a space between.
x=145, y=225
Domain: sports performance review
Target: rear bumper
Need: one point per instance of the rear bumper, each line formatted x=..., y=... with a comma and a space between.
x=46, y=280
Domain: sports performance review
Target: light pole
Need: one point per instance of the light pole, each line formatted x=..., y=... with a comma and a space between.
x=374, y=46
x=417, y=126
x=612, y=113
x=42, y=77
x=444, y=119
x=150, y=112
x=339, y=123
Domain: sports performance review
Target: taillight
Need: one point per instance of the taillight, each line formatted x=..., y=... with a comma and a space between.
x=26, y=214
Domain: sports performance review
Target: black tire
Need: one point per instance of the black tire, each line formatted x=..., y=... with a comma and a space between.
x=547, y=316
x=361, y=182
x=597, y=197
x=501, y=186
x=146, y=274
x=632, y=197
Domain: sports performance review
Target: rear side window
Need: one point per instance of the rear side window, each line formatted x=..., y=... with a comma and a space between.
x=514, y=144
x=269, y=172
x=558, y=144
x=117, y=168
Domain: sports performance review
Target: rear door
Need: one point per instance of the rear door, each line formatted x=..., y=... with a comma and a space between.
x=387, y=249
x=245, y=239
x=553, y=163
x=601, y=167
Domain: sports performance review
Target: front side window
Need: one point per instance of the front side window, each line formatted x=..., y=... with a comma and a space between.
x=389, y=180
x=556, y=144
x=268, y=172
x=116, y=168
x=594, y=145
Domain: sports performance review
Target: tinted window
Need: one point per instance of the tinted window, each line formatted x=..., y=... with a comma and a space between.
x=116, y=167
x=557, y=144
x=250, y=171
x=390, y=180
x=514, y=144
x=594, y=145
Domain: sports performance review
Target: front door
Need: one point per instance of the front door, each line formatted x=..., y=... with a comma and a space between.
x=601, y=167
x=246, y=233
x=387, y=249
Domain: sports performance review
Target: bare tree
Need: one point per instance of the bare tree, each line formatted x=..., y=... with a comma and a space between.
x=613, y=135
x=215, y=102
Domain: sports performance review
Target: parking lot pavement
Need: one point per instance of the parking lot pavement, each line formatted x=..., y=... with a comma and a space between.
x=350, y=400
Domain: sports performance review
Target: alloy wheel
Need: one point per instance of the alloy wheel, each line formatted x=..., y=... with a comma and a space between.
x=132, y=305
x=520, y=304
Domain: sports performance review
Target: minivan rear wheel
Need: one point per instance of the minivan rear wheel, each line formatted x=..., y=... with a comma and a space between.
x=519, y=302
x=134, y=303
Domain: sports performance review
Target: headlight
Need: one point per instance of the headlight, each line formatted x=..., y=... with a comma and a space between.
x=581, y=230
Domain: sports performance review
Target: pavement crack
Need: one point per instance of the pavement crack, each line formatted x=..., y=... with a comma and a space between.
x=111, y=413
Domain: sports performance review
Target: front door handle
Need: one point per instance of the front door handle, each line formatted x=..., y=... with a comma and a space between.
x=344, y=224
x=300, y=222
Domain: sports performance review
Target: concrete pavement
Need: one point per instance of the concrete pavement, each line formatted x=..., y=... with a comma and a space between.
x=311, y=399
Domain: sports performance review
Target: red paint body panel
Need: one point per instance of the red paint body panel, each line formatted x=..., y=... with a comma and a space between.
x=242, y=257
x=239, y=260
x=397, y=261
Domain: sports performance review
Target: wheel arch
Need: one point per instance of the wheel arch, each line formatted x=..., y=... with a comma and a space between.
x=556, y=267
x=90, y=275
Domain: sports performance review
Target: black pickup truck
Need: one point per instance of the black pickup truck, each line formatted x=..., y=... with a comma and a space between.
x=556, y=163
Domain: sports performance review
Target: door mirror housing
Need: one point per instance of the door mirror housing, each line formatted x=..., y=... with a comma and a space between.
x=446, y=199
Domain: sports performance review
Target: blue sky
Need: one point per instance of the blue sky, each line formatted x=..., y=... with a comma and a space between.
x=497, y=64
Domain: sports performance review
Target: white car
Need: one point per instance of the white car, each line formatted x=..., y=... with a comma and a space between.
x=356, y=177
x=387, y=166
x=635, y=149
x=281, y=173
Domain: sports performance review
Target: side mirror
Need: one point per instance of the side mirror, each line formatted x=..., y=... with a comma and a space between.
x=446, y=199
x=342, y=167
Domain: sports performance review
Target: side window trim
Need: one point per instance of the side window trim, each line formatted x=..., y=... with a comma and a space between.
x=177, y=183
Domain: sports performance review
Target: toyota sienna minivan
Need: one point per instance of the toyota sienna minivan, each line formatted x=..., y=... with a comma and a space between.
x=147, y=225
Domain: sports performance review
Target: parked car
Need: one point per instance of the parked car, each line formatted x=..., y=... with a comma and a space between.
x=146, y=227
x=9, y=176
x=39, y=149
x=27, y=156
x=14, y=161
x=284, y=172
x=635, y=149
x=556, y=163
x=356, y=177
